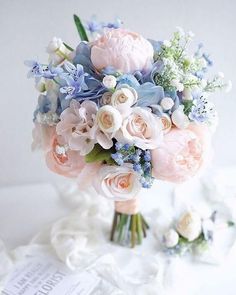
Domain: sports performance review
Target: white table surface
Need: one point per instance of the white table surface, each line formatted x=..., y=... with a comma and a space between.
x=25, y=210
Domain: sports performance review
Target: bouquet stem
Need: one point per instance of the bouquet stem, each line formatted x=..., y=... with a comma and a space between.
x=128, y=229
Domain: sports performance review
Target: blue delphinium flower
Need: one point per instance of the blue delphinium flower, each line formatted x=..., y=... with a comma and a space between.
x=202, y=110
x=113, y=25
x=74, y=78
x=93, y=25
x=51, y=72
x=207, y=59
x=83, y=57
x=75, y=72
x=36, y=68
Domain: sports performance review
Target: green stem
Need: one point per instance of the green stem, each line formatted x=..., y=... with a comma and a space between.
x=139, y=228
x=114, y=226
x=56, y=81
x=145, y=222
x=121, y=226
x=133, y=231
x=128, y=229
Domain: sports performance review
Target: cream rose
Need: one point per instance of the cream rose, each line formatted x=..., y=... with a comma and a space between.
x=108, y=119
x=166, y=123
x=124, y=96
x=119, y=183
x=190, y=226
x=141, y=128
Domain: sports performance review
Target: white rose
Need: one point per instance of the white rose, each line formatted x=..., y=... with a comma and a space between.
x=190, y=226
x=179, y=118
x=57, y=51
x=109, y=81
x=167, y=103
x=109, y=119
x=141, y=128
x=171, y=238
x=127, y=96
x=119, y=183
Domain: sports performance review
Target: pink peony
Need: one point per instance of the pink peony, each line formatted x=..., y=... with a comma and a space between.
x=77, y=126
x=125, y=51
x=61, y=160
x=182, y=153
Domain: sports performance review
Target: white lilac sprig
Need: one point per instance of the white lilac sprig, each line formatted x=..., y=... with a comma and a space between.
x=180, y=71
x=217, y=82
x=140, y=159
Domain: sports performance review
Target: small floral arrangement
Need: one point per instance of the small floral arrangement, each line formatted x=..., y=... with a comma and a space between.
x=192, y=234
x=119, y=111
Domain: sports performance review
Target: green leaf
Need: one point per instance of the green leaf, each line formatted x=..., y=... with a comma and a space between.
x=80, y=28
x=68, y=47
x=230, y=223
x=188, y=104
x=98, y=154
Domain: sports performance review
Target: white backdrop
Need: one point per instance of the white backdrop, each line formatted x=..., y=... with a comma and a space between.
x=26, y=26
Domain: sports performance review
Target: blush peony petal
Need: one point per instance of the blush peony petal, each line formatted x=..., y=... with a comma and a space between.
x=125, y=51
x=182, y=153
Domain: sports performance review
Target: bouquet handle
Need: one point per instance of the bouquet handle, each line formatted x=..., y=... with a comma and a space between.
x=129, y=226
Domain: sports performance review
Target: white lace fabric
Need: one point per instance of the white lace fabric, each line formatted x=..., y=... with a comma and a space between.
x=80, y=240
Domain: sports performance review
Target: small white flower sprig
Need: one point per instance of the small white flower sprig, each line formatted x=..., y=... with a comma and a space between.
x=176, y=70
x=191, y=234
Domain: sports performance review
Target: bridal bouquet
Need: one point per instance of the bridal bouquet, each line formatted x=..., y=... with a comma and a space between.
x=120, y=110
